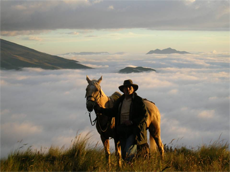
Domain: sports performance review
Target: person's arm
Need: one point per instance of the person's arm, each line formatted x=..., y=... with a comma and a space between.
x=142, y=111
x=110, y=112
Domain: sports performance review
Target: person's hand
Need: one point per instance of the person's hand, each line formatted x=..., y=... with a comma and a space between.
x=128, y=123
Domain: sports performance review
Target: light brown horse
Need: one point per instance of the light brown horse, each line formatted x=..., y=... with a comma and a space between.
x=106, y=126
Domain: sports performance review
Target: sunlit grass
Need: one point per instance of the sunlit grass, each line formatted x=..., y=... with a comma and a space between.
x=82, y=157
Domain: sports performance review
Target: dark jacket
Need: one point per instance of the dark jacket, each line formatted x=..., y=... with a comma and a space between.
x=138, y=115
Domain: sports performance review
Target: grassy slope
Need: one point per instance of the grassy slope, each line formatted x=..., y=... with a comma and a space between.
x=79, y=157
x=14, y=56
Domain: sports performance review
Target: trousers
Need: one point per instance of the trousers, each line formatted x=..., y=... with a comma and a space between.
x=128, y=147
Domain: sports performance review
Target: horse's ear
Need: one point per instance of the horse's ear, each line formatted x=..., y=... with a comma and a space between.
x=87, y=78
x=99, y=80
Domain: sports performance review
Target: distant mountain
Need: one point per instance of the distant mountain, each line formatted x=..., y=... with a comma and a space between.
x=83, y=53
x=136, y=70
x=14, y=56
x=167, y=51
x=89, y=53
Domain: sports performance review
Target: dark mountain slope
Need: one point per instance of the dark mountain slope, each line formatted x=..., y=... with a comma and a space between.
x=14, y=56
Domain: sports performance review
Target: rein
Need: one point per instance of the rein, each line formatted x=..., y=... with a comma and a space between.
x=94, y=121
x=108, y=124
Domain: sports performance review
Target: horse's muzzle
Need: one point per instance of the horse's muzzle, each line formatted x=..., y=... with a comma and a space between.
x=90, y=105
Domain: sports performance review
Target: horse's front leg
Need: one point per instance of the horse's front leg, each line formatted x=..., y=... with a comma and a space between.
x=118, y=152
x=105, y=142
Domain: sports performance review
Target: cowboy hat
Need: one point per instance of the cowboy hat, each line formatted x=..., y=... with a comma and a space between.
x=128, y=83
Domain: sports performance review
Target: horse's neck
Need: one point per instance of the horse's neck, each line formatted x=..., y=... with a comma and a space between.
x=104, y=100
x=104, y=103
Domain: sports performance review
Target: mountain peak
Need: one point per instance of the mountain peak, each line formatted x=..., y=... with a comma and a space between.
x=138, y=69
x=167, y=51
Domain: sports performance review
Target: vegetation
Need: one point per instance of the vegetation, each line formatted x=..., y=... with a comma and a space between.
x=81, y=157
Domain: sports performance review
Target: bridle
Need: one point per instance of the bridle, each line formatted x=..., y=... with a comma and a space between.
x=94, y=99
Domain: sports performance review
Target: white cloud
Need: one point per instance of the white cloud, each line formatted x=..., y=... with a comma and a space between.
x=18, y=116
x=193, y=104
x=166, y=15
x=189, y=2
x=74, y=2
x=19, y=7
x=5, y=111
x=223, y=10
x=96, y=1
x=110, y=7
x=3, y=82
x=173, y=92
x=20, y=129
x=24, y=32
x=207, y=114
x=74, y=33
x=34, y=38
x=221, y=75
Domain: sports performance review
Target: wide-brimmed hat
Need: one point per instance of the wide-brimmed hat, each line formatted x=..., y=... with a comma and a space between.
x=127, y=83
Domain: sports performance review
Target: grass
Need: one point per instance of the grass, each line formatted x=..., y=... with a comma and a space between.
x=81, y=157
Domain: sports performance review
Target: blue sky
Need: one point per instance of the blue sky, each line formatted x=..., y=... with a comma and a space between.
x=126, y=40
x=63, y=26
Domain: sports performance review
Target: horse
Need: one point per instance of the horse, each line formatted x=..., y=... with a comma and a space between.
x=106, y=126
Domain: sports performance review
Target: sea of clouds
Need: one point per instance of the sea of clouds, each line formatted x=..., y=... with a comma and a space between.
x=40, y=108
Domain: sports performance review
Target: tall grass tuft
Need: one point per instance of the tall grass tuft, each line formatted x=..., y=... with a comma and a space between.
x=80, y=156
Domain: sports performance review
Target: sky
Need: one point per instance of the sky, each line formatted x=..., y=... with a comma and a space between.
x=61, y=26
x=47, y=107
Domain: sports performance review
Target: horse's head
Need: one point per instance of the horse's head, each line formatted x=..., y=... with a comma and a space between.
x=93, y=93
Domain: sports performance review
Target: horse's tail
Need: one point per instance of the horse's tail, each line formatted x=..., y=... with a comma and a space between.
x=153, y=146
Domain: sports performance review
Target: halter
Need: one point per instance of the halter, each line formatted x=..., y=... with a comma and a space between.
x=97, y=97
x=94, y=99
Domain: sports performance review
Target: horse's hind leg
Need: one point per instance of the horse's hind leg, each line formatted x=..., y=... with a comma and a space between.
x=160, y=145
x=105, y=142
x=155, y=133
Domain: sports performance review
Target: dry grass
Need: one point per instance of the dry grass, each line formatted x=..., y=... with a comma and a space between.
x=81, y=157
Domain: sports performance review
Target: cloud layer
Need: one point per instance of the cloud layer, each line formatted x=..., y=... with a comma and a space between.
x=105, y=14
x=44, y=108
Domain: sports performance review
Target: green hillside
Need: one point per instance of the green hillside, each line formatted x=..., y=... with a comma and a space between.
x=14, y=56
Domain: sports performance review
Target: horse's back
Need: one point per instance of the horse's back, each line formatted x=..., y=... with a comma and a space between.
x=115, y=96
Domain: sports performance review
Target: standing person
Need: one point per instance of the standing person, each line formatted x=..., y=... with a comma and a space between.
x=130, y=120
